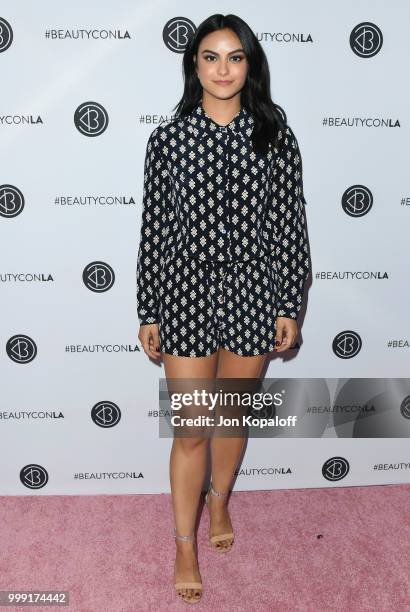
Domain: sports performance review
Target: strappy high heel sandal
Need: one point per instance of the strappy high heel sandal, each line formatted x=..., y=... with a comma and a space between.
x=216, y=541
x=195, y=587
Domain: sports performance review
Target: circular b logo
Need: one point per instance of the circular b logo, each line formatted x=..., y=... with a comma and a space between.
x=335, y=468
x=11, y=201
x=357, y=200
x=91, y=119
x=6, y=35
x=177, y=33
x=405, y=407
x=98, y=276
x=106, y=414
x=347, y=344
x=34, y=476
x=21, y=349
x=366, y=39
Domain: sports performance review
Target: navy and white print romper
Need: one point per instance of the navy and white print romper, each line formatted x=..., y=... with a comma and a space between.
x=223, y=245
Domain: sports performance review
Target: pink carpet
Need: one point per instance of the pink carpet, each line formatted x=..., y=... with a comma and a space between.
x=116, y=553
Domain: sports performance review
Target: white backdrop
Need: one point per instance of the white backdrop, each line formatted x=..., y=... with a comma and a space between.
x=83, y=85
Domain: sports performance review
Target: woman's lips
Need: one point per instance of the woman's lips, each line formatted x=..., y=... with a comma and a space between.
x=223, y=82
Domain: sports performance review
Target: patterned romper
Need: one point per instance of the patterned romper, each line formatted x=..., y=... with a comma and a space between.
x=223, y=245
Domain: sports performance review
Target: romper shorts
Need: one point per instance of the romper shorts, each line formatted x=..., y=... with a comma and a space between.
x=204, y=305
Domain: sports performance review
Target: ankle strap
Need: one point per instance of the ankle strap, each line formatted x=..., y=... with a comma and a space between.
x=185, y=538
x=218, y=493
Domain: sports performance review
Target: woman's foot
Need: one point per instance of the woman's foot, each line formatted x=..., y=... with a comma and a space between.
x=187, y=579
x=220, y=533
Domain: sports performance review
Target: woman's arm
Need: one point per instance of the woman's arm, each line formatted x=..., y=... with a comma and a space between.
x=153, y=233
x=286, y=222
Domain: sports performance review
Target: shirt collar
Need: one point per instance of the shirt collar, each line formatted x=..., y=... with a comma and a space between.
x=241, y=124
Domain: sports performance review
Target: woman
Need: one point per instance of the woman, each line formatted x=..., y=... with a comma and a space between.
x=223, y=254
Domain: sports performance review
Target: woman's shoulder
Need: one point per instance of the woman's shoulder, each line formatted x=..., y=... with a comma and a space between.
x=166, y=129
x=287, y=141
x=165, y=136
x=286, y=134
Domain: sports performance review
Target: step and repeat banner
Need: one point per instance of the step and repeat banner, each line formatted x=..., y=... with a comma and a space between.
x=82, y=89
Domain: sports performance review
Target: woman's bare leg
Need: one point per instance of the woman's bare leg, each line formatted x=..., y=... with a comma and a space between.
x=187, y=469
x=226, y=451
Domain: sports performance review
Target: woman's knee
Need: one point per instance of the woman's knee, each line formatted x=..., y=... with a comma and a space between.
x=190, y=444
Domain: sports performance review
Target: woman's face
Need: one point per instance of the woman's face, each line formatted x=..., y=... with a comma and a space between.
x=221, y=64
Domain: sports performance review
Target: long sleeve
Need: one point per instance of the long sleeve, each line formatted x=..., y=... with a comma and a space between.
x=287, y=225
x=154, y=229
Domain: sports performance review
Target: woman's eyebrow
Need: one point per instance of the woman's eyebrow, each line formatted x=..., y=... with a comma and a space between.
x=215, y=53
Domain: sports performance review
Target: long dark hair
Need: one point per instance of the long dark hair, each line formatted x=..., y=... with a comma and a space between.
x=255, y=94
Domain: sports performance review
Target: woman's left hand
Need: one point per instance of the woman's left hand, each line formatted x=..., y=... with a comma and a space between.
x=286, y=332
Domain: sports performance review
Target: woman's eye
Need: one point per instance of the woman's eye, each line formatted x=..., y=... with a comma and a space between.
x=234, y=57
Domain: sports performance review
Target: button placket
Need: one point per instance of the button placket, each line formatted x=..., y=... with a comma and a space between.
x=225, y=221
x=221, y=287
x=220, y=311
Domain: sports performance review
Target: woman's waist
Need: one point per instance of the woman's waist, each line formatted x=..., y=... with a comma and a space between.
x=248, y=262
x=221, y=260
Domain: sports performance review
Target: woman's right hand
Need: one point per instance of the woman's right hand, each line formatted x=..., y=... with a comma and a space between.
x=149, y=338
